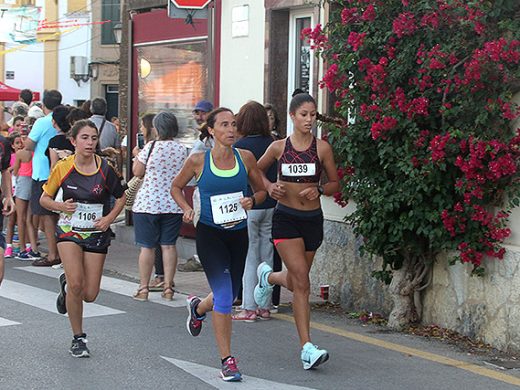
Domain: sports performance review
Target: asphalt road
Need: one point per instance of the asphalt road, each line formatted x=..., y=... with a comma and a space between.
x=145, y=345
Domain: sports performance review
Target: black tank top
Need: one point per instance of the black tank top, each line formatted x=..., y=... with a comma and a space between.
x=300, y=167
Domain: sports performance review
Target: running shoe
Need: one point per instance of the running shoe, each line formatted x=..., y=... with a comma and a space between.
x=24, y=256
x=230, y=371
x=35, y=255
x=273, y=309
x=79, y=346
x=312, y=356
x=263, y=289
x=194, y=322
x=61, y=300
x=8, y=253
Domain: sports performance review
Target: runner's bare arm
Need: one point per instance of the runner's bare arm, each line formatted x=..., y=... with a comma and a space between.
x=271, y=155
x=192, y=167
x=7, y=191
x=255, y=179
x=327, y=154
x=105, y=222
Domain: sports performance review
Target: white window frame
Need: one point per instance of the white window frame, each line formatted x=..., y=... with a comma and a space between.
x=291, y=82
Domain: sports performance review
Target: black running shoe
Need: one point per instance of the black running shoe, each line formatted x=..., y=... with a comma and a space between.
x=79, y=346
x=194, y=323
x=61, y=304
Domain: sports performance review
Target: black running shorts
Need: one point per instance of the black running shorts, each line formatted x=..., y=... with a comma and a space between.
x=293, y=223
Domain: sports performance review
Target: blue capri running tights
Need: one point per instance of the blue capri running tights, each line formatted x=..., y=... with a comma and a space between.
x=222, y=254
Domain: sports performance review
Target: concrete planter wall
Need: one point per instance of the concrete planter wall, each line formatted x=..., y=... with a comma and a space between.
x=486, y=308
x=339, y=264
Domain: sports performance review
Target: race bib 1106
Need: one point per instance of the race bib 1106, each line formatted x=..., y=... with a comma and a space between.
x=299, y=169
x=226, y=208
x=82, y=220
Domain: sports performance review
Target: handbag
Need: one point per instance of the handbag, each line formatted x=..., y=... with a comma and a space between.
x=135, y=183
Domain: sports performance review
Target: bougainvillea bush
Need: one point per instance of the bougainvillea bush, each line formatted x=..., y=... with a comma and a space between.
x=426, y=148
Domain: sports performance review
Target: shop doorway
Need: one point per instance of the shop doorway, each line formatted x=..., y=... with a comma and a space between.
x=112, y=98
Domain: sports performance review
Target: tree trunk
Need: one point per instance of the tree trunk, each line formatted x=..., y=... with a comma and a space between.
x=402, y=287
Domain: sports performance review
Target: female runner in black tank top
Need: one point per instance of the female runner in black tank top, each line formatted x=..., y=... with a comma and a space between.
x=298, y=219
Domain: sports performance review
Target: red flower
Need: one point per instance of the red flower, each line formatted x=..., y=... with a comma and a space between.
x=355, y=40
x=349, y=15
x=369, y=14
x=404, y=24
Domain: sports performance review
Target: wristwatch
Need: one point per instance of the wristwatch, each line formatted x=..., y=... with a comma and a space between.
x=321, y=190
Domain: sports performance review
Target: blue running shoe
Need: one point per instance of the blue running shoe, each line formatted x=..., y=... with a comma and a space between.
x=312, y=356
x=263, y=289
x=229, y=371
x=194, y=322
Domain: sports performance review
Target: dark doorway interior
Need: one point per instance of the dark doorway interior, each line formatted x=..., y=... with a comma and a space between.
x=278, y=64
x=112, y=98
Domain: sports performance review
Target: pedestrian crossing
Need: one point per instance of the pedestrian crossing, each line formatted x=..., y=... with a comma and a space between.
x=46, y=299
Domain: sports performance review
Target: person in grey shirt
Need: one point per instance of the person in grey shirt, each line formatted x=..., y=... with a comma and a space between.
x=109, y=141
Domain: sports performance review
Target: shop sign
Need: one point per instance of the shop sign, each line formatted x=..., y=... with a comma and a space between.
x=191, y=4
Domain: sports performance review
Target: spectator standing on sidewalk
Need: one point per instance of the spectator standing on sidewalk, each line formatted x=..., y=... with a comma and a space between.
x=298, y=218
x=83, y=231
x=203, y=144
x=26, y=96
x=274, y=127
x=253, y=126
x=8, y=208
x=38, y=142
x=222, y=176
x=157, y=218
x=26, y=231
x=109, y=141
x=149, y=134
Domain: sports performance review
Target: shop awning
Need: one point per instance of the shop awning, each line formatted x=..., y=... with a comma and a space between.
x=10, y=94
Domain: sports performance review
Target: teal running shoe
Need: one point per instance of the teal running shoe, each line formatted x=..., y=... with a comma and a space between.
x=312, y=356
x=263, y=289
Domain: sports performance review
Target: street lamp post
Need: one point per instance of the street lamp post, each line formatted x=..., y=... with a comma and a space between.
x=118, y=31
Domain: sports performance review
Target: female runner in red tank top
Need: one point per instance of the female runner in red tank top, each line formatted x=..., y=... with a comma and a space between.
x=298, y=219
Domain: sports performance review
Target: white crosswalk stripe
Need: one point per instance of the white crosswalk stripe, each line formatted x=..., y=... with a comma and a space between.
x=46, y=300
x=114, y=285
x=211, y=376
x=6, y=322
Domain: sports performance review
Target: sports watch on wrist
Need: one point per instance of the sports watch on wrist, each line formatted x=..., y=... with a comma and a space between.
x=321, y=190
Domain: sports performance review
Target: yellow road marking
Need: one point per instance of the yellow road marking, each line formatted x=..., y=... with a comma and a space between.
x=482, y=371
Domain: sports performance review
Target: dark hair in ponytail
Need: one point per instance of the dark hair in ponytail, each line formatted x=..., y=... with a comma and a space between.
x=300, y=99
x=210, y=122
x=60, y=116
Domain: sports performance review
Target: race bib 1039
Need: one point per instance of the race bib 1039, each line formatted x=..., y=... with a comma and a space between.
x=299, y=169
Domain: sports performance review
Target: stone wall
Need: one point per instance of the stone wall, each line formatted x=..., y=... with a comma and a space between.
x=486, y=308
x=483, y=308
x=339, y=264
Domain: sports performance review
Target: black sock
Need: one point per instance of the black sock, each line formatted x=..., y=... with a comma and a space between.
x=80, y=336
x=226, y=358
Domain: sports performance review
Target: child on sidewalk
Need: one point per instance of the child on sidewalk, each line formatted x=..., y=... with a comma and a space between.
x=26, y=230
x=15, y=139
